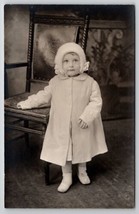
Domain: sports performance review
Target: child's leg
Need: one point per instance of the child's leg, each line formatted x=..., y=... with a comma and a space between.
x=67, y=177
x=82, y=174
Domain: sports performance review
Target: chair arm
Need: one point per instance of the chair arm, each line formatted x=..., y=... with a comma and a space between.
x=15, y=65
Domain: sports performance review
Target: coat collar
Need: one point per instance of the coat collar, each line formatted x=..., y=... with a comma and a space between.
x=79, y=77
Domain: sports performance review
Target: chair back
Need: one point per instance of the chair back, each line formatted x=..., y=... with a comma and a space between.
x=49, y=28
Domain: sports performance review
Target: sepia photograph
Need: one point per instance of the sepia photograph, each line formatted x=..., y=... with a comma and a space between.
x=69, y=106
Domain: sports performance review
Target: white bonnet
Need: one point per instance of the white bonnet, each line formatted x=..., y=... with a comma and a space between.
x=67, y=48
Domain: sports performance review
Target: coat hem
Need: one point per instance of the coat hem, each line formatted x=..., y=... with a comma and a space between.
x=73, y=162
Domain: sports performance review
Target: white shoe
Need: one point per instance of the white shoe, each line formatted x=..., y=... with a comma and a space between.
x=83, y=177
x=65, y=183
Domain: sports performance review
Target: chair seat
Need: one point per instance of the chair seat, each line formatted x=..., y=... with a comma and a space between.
x=41, y=113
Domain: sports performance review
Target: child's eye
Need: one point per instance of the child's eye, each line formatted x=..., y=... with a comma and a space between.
x=65, y=61
x=76, y=60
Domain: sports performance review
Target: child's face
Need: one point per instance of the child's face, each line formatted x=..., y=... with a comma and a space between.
x=71, y=64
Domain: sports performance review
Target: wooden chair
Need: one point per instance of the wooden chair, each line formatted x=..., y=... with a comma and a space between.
x=40, y=115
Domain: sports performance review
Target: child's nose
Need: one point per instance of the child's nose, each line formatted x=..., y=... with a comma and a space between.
x=71, y=63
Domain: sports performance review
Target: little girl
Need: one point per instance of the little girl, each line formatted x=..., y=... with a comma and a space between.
x=74, y=133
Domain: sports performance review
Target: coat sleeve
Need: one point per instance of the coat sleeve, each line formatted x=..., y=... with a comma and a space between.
x=94, y=107
x=36, y=100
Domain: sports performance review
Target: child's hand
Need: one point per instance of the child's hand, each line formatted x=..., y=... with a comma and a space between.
x=19, y=105
x=82, y=124
x=22, y=105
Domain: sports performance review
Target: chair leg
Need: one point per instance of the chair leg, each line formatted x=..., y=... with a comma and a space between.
x=26, y=124
x=27, y=139
x=47, y=173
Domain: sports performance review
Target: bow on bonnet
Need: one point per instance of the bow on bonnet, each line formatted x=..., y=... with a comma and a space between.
x=67, y=48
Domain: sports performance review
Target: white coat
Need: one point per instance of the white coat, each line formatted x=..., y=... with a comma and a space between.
x=71, y=98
